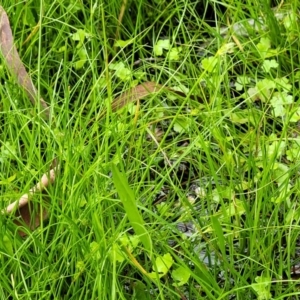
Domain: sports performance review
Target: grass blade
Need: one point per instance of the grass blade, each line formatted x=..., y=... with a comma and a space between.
x=128, y=199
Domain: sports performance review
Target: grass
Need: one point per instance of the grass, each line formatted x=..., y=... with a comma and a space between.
x=222, y=160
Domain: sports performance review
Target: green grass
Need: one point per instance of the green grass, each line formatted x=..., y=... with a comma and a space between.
x=226, y=155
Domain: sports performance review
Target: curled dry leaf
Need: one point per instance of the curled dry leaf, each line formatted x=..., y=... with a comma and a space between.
x=14, y=63
x=26, y=212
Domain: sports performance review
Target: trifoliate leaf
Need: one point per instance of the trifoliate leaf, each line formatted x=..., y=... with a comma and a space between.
x=130, y=242
x=293, y=153
x=290, y=21
x=124, y=74
x=116, y=254
x=8, y=151
x=295, y=117
x=276, y=148
x=239, y=118
x=253, y=94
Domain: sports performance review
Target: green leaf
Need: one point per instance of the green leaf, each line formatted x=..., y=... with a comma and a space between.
x=140, y=291
x=283, y=83
x=7, y=244
x=8, y=180
x=181, y=275
x=160, y=45
x=116, y=254
x=121, y=71
x=123, y=44
x=226, y=48
x=278, y=101
x=8, y=151
x=241, y=81
x=263, y=47
x=295, y=115
x=79, y=36
x=239, y=117
x=262, y=287
x=174, y=53
x=182, y=125
x=163, y=265
x=219, y=234
x=128, y=199
x=265, y=88
x=235, y=208
x=293, y=153
x=209, y=64
x=290, y=21
x=83, y=58
x=130, y=242
x=269, y=64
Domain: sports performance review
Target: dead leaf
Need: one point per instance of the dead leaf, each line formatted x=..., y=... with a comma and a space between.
x=26, y=212
x=14, y=63
x=135, y=94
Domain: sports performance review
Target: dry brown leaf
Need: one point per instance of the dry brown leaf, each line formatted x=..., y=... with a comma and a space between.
x=26, y=212
x=14, y=63
x=135, y=94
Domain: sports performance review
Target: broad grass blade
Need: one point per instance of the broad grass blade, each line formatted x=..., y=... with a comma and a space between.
x=128, y=199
